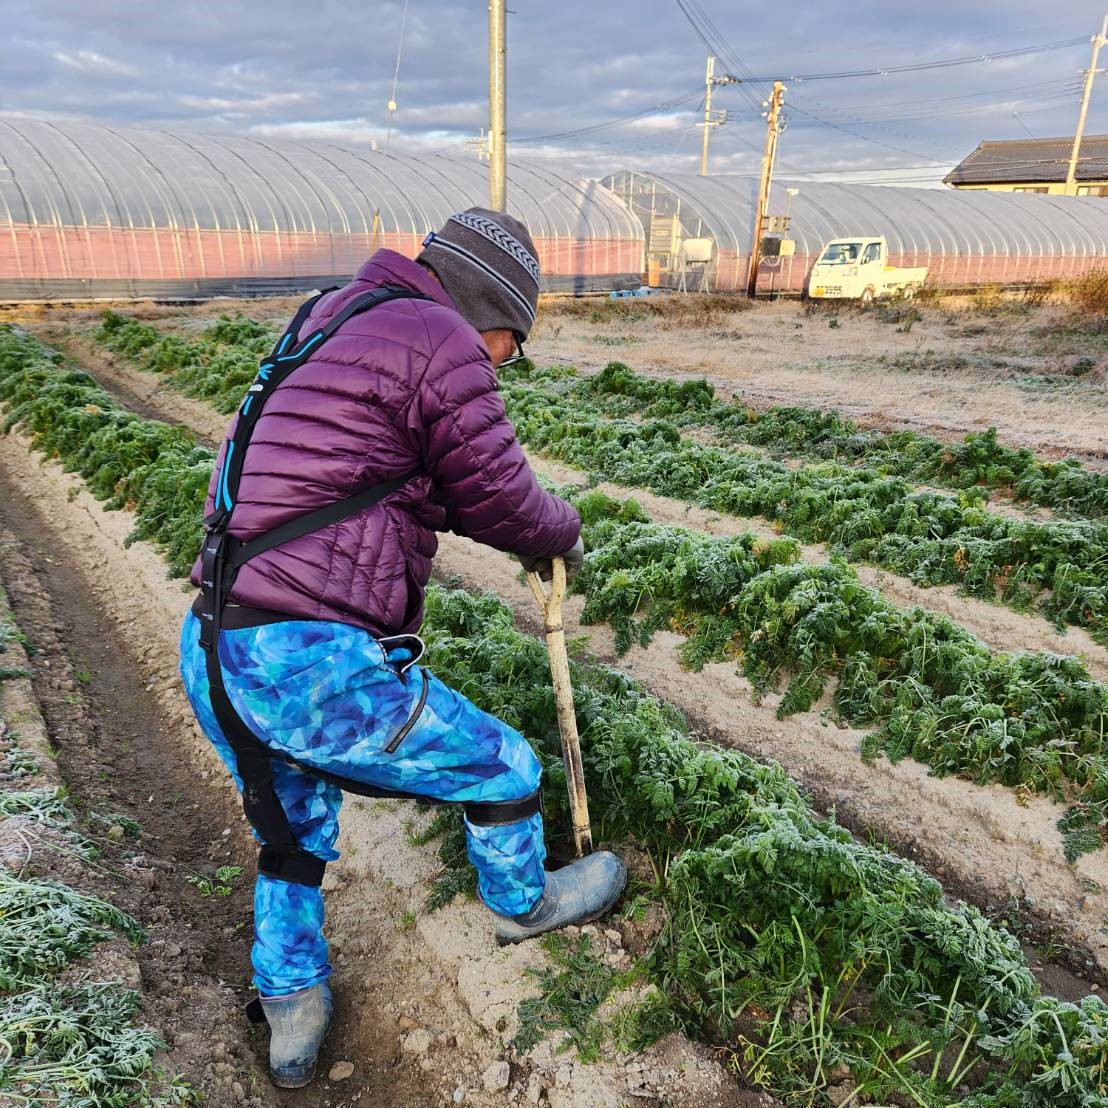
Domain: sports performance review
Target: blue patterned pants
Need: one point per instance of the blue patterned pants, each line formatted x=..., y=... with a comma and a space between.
x=327, y=694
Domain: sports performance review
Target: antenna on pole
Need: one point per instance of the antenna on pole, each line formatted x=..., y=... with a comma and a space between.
x=1071, y=173
x=498, y=130
x=480, y=145
x=396, y=76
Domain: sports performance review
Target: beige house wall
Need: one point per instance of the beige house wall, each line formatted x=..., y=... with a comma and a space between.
x=1052, y=188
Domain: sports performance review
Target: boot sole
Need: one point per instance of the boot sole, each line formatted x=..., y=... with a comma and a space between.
x=574, y=923
x=291, y=1082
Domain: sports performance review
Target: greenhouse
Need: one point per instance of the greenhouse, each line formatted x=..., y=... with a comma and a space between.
x=113, y=212
x=699, y=230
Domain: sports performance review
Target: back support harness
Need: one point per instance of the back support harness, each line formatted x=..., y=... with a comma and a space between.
x=223, y=555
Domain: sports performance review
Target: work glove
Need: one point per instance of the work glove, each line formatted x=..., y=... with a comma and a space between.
x=543, y=564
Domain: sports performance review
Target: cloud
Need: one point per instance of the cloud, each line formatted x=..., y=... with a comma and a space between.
x=244, y=105
x=89, y=61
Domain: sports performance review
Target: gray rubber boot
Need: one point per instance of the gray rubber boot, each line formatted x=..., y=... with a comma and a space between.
x=577, y=893
x=297, y=1025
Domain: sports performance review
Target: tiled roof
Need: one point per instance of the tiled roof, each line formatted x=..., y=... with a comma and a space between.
x=1031, y=160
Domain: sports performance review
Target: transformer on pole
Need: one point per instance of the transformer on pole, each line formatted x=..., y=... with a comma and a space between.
x=773, y=130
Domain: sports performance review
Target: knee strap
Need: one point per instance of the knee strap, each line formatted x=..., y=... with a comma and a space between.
x=292, y=865
x=500, y=813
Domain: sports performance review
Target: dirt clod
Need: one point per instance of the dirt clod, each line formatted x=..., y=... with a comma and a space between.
x=340, y=1071
x=497, y=1076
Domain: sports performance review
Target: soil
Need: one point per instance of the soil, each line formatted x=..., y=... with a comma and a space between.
x=998, y=626
x=981, y=842
x=1026, y=369
x=118, y=752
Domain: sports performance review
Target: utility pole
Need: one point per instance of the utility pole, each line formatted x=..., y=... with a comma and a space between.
x=498, y=131
x=768, y=157
x=711, y=119
x=1090, y=73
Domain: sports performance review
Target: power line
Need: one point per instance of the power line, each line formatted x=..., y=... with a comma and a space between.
x=854, y=134
x=706, y=30
x=1025, y=88
x=396, y=75
x=714, y=40
x=665, y=106
x=946, y=63
x=1055, y=102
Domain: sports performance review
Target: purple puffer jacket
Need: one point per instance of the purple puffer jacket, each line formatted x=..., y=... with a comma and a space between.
x=405, y=385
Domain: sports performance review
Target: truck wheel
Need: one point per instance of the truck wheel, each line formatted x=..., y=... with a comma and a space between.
x=910, y=291
x=867, y=295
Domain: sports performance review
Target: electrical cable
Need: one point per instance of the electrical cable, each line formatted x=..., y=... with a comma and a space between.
x=667, y=105
x=710, y=35
x=396, y=76
x=704, y=34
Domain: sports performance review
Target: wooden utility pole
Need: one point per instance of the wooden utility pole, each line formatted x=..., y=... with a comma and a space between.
x=769, y=155
x=498, y=131
x=711, y=119
x=1090, y=73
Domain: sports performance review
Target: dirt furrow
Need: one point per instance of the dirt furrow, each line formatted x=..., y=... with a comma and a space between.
x=981, y=841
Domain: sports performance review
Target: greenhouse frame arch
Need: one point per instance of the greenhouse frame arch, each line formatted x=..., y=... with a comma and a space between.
x=966, y=239
x=114, y=212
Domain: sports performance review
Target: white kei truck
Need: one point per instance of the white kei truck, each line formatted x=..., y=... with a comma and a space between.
x=857, y=269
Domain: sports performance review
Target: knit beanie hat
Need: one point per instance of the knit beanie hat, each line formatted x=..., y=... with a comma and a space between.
x=488, y=265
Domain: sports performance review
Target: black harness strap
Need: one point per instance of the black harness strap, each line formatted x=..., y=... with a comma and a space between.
x=223, y=555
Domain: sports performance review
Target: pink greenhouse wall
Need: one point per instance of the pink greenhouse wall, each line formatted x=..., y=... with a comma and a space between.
x=949, y=270
x=102, y=253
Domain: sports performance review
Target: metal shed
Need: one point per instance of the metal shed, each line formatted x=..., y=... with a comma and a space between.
x=91, y=211
x=964, y=238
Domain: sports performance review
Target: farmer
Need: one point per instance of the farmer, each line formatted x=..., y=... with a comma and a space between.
x=305, y=657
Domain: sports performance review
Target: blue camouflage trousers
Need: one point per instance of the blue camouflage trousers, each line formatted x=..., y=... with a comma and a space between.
x=328, y=694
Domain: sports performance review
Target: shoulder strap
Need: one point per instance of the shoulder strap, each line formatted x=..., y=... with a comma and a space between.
x=287, y=355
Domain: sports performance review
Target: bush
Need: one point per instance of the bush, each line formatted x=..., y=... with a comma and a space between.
x=670, y=310
x=1088, y=295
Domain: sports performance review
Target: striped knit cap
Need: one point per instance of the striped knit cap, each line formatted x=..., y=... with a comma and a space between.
x=487, y=263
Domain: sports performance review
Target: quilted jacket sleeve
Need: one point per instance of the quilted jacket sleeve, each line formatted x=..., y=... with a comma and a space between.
x=472, y=454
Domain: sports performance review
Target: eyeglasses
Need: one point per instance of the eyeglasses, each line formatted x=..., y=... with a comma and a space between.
x=516, y=358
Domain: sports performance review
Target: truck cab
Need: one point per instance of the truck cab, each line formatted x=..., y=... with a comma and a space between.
x=856, y=268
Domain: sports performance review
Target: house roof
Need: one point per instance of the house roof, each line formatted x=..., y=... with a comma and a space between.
x=1031, y=160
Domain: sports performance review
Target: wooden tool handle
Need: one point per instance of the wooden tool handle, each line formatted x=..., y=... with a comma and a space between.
x=550, y=604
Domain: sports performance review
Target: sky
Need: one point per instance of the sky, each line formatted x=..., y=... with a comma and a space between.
x=325, y=71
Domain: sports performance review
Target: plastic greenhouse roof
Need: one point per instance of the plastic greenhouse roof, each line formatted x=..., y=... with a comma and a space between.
x=74, y=174
x=938, y=221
